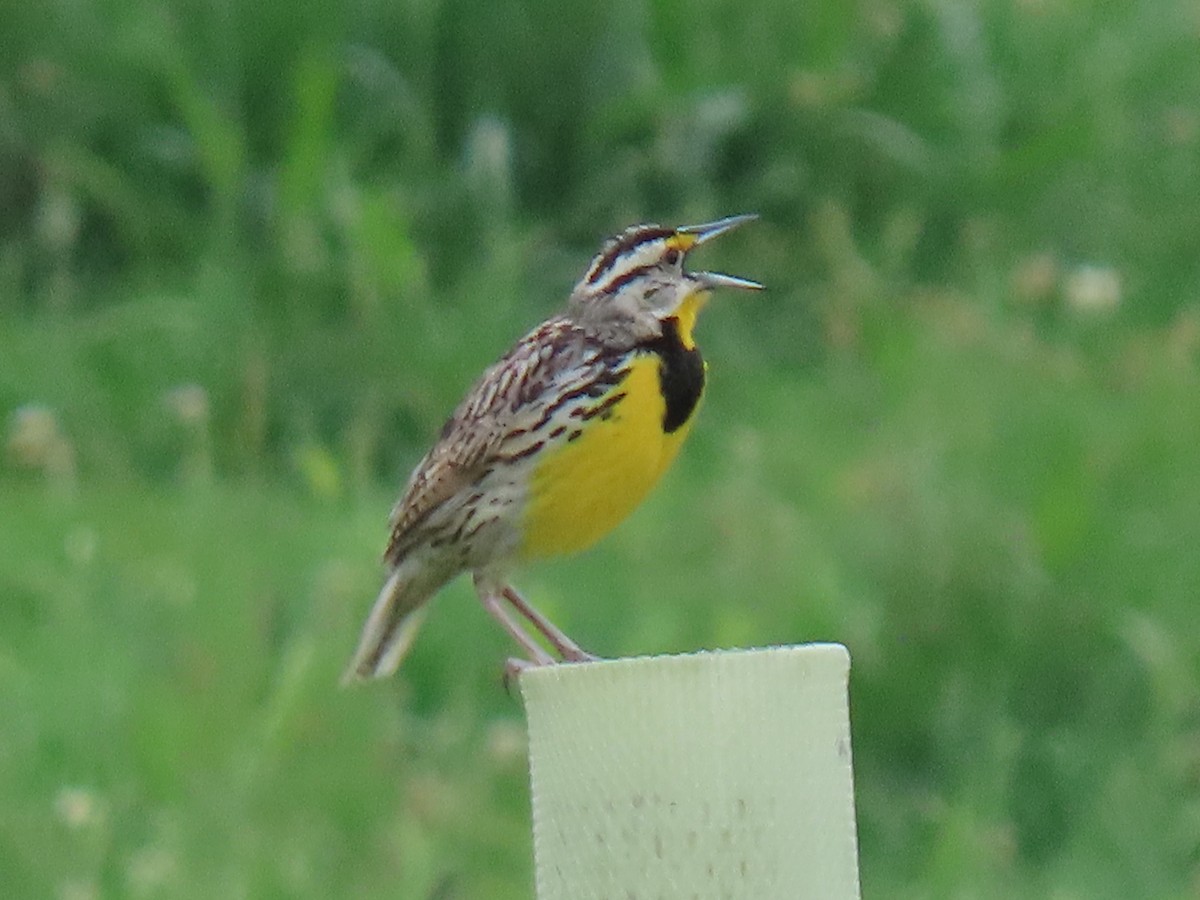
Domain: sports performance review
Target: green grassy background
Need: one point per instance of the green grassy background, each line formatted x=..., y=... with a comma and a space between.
x=252, y=253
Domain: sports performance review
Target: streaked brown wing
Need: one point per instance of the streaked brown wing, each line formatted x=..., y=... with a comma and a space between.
x=505, y=401
x=449, y=467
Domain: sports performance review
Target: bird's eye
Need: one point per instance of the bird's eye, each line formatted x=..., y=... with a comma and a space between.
x=671, y=257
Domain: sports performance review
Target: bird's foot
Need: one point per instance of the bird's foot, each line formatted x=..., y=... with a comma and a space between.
x=578, y=655
x=513, y=667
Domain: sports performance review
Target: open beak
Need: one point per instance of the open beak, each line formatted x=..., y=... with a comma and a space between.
x=705, y=233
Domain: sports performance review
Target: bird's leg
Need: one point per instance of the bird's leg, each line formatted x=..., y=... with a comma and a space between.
x=491, y=602
x=567, y=648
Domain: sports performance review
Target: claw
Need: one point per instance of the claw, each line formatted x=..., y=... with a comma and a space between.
x=513, y=667
x=582, y=656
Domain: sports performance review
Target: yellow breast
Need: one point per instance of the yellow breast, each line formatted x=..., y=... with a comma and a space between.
x=584, y=488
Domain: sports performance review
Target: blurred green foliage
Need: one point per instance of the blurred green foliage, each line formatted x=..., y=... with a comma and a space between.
x=252, y=253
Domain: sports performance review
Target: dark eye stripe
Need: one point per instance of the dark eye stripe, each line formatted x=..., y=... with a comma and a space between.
x=619, y=246
x=620, y=281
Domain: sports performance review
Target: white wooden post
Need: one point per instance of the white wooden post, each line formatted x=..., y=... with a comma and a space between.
x=706, y=776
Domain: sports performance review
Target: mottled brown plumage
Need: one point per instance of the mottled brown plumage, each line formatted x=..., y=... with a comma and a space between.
x=468, y=503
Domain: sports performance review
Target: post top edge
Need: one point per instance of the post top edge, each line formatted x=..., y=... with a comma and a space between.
x=823, y=654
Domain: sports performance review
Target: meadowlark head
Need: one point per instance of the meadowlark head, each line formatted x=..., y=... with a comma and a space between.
x=638, y=280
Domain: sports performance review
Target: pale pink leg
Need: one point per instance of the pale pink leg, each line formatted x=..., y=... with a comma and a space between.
x=567, y=648
x=491, y=602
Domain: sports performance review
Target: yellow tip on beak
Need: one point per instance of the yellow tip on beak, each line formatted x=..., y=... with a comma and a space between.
x=701, y=234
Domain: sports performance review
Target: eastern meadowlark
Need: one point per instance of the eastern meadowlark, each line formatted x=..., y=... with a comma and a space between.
x=555, y=444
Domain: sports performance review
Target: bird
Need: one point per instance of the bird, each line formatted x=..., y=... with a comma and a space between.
x=554, y=445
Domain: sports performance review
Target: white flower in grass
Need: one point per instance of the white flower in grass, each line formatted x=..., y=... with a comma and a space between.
x=36, y=439
x=189, y=403
x=1093, y=290
x=78, y=807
